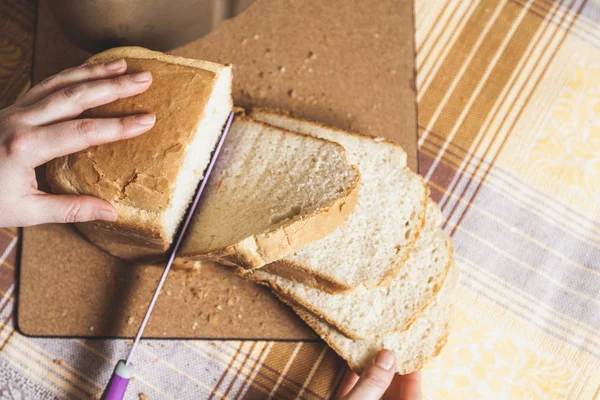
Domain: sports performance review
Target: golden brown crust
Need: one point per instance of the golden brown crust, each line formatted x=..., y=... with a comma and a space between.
x=137, y=176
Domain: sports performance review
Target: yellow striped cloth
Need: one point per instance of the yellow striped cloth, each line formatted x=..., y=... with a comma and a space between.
x=509, y=140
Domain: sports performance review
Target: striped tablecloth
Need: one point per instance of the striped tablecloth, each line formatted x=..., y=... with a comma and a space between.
x=509, y=127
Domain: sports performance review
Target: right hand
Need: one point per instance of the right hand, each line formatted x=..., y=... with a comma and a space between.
x=41, y=125
x=379, y=379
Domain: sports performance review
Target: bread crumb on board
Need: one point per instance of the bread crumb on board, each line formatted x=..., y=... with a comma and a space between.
x=57, y=361
x=143, y=396
x=130, y=320
x=197, y=292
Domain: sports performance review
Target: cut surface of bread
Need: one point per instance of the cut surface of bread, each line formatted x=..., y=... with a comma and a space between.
x=272, y=191
x=375, y=241
x=414, y=347
x=150, y=179
x=366, y=313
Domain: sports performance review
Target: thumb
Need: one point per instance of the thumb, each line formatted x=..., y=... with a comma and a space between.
x=47, y=208
x=375, y=380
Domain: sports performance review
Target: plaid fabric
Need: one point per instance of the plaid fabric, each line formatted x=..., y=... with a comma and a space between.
x=509, y=128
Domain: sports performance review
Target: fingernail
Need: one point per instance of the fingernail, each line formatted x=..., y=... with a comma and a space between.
x=385, y=359
x=106, y=214
x=145, y=119
x=114, y=65
x=141, y=77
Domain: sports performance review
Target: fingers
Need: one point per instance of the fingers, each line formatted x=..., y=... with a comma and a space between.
x=71, y=101
x=47, y=208
x=405, y=387
x=348, y=381
x=375, y=380
x=72, y=76
x=45, y=143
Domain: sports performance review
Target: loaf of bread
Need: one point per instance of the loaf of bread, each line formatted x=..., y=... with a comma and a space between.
x=375, y=242
x=334, y=222
x=150, y=179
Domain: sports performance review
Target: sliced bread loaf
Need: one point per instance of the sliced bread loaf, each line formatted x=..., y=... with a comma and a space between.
x=414, y=347
x=375, y=241
x=367, y=313
x=150, y=179
x=272, y=191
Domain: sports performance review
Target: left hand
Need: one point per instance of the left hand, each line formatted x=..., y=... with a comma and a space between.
x=41, y=126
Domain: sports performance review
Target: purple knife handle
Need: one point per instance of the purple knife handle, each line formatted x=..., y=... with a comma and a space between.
x=118, y=382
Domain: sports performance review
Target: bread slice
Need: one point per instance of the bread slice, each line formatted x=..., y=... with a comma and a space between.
x=414, y=347
x=366, y=313
x=377, y=238
x=272, y=191
x=150, y=179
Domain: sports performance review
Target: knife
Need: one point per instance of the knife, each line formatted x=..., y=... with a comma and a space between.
x=115, y=390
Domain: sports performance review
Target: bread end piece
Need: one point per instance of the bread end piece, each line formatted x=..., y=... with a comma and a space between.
x=264, y=248
x=272, y=192
x=150, y=179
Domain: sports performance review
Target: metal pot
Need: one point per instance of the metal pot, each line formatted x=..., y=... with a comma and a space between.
x=95, y=25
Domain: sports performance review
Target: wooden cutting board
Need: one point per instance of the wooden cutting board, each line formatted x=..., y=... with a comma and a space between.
x=345, y=63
